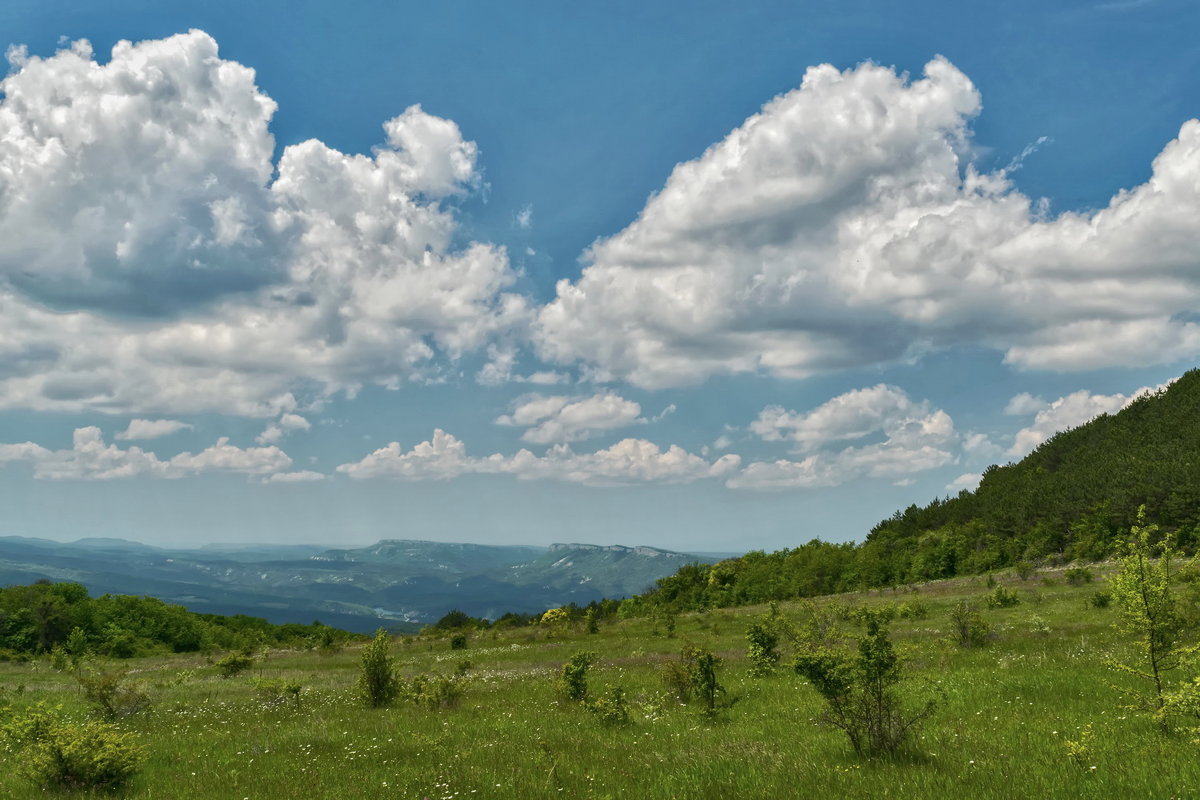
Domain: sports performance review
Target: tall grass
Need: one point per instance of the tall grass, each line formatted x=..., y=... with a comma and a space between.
x=1011, y=724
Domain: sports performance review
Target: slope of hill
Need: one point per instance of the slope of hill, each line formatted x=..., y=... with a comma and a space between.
x=1074, y=497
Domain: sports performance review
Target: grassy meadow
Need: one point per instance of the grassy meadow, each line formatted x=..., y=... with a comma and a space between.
x=1007, y=713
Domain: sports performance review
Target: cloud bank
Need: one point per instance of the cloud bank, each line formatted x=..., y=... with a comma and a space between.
x=844, y=225
x=149, y=261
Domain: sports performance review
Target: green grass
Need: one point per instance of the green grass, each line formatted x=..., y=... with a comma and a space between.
x=1000, y=733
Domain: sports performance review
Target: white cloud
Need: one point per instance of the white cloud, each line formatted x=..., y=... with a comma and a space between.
x=630, y=461
x=440, y=458
x=301, y=476
x=151, y=429
x=843, y=225
x=916, y=438
x=978, y=447
x=852, y=415
x=150, y=262
x=525, y=217
x=559, y=418
x=1024, y=403
x=91, y=458
x=275, y=431
x=968, y=480
x=1068, y=412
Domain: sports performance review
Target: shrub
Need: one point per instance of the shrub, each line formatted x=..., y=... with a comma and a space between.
x=970, y=629
x=573, y=679
x=913, y=609
x=677, y=680
x=278, y=691
x=1025, y=570
x=1038, y=625
x=458, y=641
x=762, y=652
x=612, y=708
x=233, y=665
x=701, y=670
x=110, y=695
x=1100, y=599
x=378, y=685
x=434, y=691
x=592, y=621
x=1078, y=576
x=859, y=691
x=555, y=618
x=72, y=756
x=1002, y=597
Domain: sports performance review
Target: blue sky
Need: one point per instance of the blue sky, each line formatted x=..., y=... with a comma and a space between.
x=665, y=274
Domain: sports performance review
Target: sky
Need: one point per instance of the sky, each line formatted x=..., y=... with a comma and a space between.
x=667, y=274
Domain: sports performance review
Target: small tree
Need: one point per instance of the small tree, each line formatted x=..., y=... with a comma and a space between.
x=970, y=628
x=573, y=678
x=1149, y=610
x=761, y=651
x=860, y=690
x=378, y=684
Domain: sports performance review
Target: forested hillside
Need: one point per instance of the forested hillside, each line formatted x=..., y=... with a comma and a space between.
x=43, y=616
x=1072, y=498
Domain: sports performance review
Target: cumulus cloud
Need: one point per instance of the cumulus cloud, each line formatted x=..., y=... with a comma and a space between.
x=91, y=458
x=844, y=225
x=1068, y=412
x=1023, y=404
x=968, y=480
x=153, y=257
x=275, y=431
x=560, y=418
x=630, y=461
x=151, y=429
x=916, y=438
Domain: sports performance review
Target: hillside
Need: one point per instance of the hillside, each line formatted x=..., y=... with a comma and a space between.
x=401, y=584
x=1073, y=498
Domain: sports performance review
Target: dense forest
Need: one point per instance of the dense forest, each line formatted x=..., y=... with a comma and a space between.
x=44, y=615
x=1073, y=498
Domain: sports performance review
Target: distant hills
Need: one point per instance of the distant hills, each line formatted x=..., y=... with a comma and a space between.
x=402, y=584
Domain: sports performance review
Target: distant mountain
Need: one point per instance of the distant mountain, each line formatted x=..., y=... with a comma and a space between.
x=397, y=583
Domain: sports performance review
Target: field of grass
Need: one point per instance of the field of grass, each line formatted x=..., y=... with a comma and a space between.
x=1007, y=711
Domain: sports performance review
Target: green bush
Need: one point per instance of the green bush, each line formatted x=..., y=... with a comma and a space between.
x=458, y=641
x=612, y=707
x=234, y=664
x=913, y=609
x=61, y=755
x=1002, y=597
x=762, y=652
x=378, y=685
x=572, y=680
x=1078, y=576
x=434, y=691
x=1100, y=599
x=970, y=628
x=277, y=691
x=859, y=691
x=111, y=695
x=677, y=680
x=700, y=669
